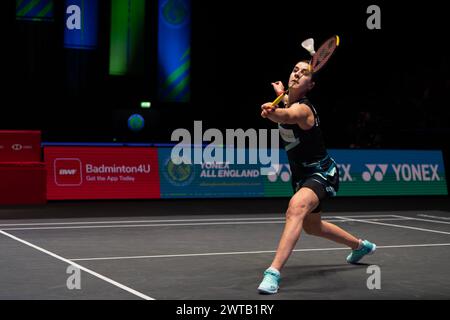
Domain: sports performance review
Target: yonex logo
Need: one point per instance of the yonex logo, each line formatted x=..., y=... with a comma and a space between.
x=17, y=147
x=281, y=171
x=416, y=172
x=403, y=172
x=377, y=171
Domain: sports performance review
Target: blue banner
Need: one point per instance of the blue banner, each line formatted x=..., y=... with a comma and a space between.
x=81, y=24
x=362, y=173
x=208, y=180
x=174, y=47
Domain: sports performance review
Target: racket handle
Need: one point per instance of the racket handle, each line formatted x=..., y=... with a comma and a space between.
x=278, y=99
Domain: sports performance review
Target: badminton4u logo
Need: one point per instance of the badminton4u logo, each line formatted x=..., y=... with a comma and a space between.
x=376, y=171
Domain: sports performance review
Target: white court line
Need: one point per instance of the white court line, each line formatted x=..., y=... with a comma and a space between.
x=68, y=261
x=279, y=217
x=135, y=221
x=435, y=217
x=427, y=220
x=179, y=224
x=395, y=225
x=144, y=225
x=252, y=252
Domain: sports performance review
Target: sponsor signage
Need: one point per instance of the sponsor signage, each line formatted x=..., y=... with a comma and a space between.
x=375, y=173
x=20, y=146
x=148, y=172
x=209, y=179
x=102, y=173
x=362, y=173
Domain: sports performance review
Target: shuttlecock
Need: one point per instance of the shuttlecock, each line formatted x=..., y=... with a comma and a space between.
x=308, y=44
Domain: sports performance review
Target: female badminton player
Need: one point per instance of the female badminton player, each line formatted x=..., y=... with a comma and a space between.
x=315, y=175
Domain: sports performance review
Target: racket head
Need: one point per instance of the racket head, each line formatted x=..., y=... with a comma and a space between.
x=324, y=53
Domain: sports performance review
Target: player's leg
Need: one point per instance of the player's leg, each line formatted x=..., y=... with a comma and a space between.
x=301, y=204
x=314, y=225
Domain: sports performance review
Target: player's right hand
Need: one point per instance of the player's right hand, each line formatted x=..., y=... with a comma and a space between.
x=278, y=87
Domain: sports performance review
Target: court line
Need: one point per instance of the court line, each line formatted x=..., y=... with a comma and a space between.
x=136, y=221
x=426, y=220
x=252, y=252
x=178, y=224
x=395, y=225
x=171, y=220
x=70, y=262
x=435, y=217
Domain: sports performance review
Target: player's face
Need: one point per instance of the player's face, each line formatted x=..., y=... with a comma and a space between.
x=301, y=77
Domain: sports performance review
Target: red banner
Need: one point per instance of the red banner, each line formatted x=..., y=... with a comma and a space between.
x=22, y=183
x=102, y=173
x=20, y=146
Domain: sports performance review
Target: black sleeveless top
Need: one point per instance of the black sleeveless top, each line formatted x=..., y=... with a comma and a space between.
x=303, y=146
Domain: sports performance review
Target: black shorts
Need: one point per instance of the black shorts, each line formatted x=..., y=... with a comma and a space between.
x=322, y=177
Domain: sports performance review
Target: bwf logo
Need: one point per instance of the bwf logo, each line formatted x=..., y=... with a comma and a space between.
x=68, y=172
x=376, y=171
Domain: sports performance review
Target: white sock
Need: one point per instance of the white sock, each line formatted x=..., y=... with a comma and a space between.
x=360, y=245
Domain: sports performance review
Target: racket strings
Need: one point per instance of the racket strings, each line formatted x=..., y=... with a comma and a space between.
x=323, y=54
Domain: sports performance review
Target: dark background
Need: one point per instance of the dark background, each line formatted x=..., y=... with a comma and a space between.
x=385, y=88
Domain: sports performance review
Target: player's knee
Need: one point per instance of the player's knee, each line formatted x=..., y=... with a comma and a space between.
x=297, y=210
